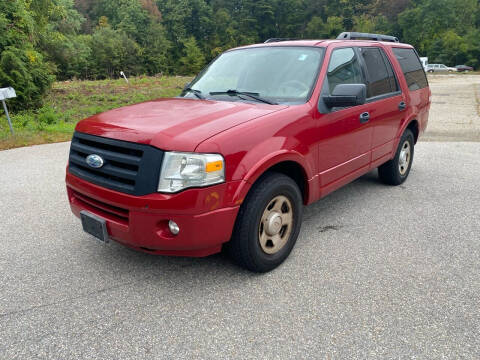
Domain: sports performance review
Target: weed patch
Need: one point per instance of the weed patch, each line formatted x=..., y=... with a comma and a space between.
x=71, y=101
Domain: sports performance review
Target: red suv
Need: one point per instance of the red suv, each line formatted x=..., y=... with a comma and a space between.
x=260, y=132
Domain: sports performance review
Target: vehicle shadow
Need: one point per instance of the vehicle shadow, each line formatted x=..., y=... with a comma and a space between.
x=136, y=264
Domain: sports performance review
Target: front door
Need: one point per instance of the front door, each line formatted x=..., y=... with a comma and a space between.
x=344, y=136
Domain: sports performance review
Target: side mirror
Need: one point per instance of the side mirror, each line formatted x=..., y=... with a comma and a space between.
x=345, y=95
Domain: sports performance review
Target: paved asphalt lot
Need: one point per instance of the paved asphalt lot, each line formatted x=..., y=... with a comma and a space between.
x=378, y=272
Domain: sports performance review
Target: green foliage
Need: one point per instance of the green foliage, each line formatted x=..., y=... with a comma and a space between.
x=156, y=50
x=21, y=65
x=25, y=70
x=96, y=39
x=192, y=60
x=46, y=116
x=71, y=101
x=114, y=52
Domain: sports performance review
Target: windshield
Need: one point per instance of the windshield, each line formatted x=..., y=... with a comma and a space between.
x=283, y=75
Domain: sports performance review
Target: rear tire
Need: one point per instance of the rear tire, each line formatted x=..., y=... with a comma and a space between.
x=268, y=224
x=395, y=171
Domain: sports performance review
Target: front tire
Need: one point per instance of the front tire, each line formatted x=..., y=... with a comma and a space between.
x=395, y=171
x=268, y=223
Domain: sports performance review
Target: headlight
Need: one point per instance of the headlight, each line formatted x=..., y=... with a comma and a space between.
x=184, y=170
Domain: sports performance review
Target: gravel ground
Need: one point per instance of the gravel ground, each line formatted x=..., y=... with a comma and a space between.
x=377, y=272
x=455, y=112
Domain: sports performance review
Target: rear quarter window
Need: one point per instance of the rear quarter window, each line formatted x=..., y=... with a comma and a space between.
x=412, y=68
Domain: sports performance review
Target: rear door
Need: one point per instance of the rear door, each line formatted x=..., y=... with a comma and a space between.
x=386, y=103
x=418, y=97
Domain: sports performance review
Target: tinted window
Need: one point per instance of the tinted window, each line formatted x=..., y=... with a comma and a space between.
x=344, y=68
x=391, y=73
x=380, y=77
x=412, y=68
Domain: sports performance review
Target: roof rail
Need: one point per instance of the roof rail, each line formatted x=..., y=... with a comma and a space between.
x=272, y=40
x=366, y=36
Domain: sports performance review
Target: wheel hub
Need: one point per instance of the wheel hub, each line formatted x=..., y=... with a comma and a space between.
x=404, y=158
x=276, y=224
x=273, y=224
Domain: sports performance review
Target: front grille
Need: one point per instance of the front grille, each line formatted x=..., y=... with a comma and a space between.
x=128, y=167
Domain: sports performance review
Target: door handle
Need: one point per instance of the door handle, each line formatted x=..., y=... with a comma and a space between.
x=364, y=117
x=402, y=106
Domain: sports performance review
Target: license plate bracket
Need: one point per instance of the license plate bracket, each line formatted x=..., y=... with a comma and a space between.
x=95, y=226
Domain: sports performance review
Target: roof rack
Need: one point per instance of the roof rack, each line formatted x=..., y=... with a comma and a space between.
x=272, y=40
x=366, y=36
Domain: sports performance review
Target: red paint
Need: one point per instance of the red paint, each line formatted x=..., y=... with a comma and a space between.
x=332, y=150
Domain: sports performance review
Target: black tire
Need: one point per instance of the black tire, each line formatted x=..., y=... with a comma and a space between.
x=244, y=247
x=392, y=173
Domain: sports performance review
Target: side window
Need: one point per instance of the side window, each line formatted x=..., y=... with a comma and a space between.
x=344, y=68
x=380, y=77
x=412, y=68
x=391, y=73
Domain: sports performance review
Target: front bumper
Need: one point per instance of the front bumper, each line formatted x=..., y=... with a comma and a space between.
x=205, y=217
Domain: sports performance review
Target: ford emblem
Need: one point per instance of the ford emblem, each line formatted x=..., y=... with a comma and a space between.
x=95, y=161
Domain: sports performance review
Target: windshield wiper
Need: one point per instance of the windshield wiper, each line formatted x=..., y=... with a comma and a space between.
x=195, y=92
x=252, y=95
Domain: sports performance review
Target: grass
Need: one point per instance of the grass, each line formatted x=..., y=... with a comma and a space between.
x=71, y=101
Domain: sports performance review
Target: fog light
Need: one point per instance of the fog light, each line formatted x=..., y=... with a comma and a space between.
x=174, y=229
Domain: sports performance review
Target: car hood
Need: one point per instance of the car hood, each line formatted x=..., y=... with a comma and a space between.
x=173, y=124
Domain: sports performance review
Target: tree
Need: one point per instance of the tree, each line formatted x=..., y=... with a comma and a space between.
x=99, y=38
x=61, y=43
x=315, y=28
x=333, y=27
x=184, y=19
x=390, y=9
x=192, y=60
x=114, y=52
x=450, y=48
x=425, y=22
x=364, y=23
x=156, y=50
x=21, y=65
x=472, y=41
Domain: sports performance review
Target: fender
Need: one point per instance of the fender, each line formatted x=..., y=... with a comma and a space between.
x=402, y=128
x=268, y=161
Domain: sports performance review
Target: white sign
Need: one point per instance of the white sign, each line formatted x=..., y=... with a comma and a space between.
x=7, y=93
x=123, y=74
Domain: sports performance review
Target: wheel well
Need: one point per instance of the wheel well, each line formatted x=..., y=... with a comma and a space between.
x=413, y=126
x=295, y=171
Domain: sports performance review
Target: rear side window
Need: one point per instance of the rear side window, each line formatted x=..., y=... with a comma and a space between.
x=344, y=68
x=380, y=77
x=412, y=68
